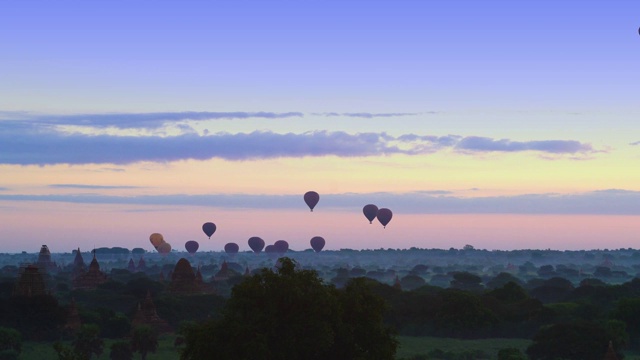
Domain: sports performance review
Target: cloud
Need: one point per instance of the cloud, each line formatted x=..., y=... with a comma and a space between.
x=87, y=186
x=367, y=115
x=3, y=188
x=140, y=120
x=635, y=143
x=484, y=144
x=435, y=192
x=25, y=144
x=605, y=202
x=55, y=148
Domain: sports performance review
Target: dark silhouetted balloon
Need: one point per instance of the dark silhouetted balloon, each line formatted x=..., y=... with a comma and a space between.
x=256, y=244
x=317, y=243
x=156, y=239
x=231, y=248
x=384, y=216
x=271, y=251
x=164, y=248
x=191, y=246
x=311, y=198
x=209, y=228
x=370, y=211
x=281, y=246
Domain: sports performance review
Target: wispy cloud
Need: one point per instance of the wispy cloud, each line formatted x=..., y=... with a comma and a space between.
x=3, y=188
x=140, y=120
x=367, y=115
x=605, y=202
x=26, y=144
x=485, y=144
x=87, y=186
x=635, y=143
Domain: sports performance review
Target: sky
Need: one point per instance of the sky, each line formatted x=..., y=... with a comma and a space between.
x=496, y=123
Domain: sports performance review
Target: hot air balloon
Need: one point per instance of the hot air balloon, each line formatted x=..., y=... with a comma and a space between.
x=191, y=246
x=164, y=248
x=271, y=251
x=317, y=243
x=311, y=198
x=256, y=244
x=384, y=216
x=156, y=239
x=209, y=228
x=370, y=211
x=231, y=248
x=281, y=246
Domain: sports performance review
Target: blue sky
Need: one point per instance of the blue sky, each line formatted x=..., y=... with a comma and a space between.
x=372, y=56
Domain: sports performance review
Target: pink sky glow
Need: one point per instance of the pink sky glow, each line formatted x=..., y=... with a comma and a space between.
x=64, y=227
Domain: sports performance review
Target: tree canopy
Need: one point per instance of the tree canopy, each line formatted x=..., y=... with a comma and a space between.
x=292, y=314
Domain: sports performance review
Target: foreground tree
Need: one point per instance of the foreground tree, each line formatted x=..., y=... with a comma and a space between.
x=292, y=314
x=65, y=352
x=144, y=340
x=10, y=343
x=88, y=341
x=121, y=350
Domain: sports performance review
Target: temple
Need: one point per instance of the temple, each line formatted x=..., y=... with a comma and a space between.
x=30, y=283
x=73, y=323
x=78, y=266
x=92, y=278
x=147, y=315
x=183, y=279
x=611, y=353
x=44, y=260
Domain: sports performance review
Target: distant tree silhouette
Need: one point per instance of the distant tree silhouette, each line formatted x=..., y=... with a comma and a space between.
x=571, y=341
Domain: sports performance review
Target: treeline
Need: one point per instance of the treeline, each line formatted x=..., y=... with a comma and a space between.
x=546, y=309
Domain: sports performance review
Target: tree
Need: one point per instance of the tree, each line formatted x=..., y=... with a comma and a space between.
x=463, y=315
x=66, y=352
x=292, y=314
x=571, y=341
x=362, y=324
x=510, y=354
x=10, y=343
x=121, y=350
x=501, y=280
x=144, y=340
x=88, y=341
x=466, y=281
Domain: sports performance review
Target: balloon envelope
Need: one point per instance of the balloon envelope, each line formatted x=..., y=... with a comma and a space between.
x=231, y=248
x=256, y=244
x=156, y=239
x=191, y=246
x=271, y=251
x=164, y=248
x=370, y=211
x=384, y=216
x=281, y=246
x=209, y=228
x=317, y=243
x=311, y=198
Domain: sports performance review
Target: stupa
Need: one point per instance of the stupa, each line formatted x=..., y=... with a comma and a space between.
x=147, y=315
x=92, y=278
x=183, y=279
x=30, y=283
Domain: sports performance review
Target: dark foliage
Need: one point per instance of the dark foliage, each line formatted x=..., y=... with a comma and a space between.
x=292, y=314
